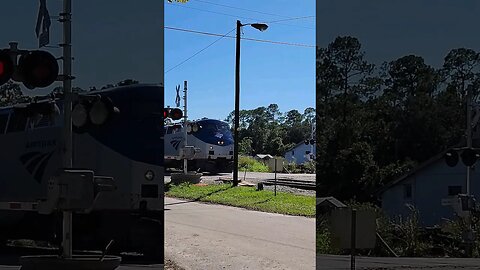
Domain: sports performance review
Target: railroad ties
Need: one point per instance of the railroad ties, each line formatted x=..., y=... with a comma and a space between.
x=300, y=184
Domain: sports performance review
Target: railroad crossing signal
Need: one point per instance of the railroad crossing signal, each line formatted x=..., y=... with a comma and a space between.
x=469, y=157
x=312, y=142
x=34, y=68
x=6, y=67
x=451, y=158
x=173, y=113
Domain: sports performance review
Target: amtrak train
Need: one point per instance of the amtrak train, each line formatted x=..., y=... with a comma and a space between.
x=212, y=140
x=125, y=145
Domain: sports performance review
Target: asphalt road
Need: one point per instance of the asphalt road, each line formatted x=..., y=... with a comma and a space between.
x=203, y=236
x=332, y=262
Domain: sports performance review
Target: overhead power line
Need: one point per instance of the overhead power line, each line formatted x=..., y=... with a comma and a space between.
x=251, y=39
x=291, y=19
x=195, y=54
x=244, y=9
x=242, y=17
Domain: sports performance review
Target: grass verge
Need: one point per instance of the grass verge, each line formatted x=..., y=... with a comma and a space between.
x=247, y=197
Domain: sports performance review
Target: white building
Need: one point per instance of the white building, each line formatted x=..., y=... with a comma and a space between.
x=301, y=153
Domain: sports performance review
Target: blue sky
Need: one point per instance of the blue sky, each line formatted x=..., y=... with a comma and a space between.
x=112, y=40
x=391, y=29
x=270, y=73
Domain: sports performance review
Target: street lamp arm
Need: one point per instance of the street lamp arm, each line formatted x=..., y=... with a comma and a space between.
x=259, y=26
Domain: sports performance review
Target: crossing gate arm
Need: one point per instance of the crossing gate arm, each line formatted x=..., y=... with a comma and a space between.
x=19, y=206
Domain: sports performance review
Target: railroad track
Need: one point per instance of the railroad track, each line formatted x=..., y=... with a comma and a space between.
x=301, y=184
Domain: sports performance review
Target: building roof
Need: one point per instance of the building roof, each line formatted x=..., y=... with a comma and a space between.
x=330, y=201
x=415, y=170
x=263, y=156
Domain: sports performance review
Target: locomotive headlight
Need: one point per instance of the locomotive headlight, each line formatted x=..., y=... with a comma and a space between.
x=99, y=113
x=211, y=147
x=79, y=115
x=149, y=175
x=102, y=110
x=195, y=128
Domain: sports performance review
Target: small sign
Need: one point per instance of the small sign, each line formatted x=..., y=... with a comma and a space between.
x=341, y=223
x=177, y=98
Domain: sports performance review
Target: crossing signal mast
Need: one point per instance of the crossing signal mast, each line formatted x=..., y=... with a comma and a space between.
x=469, y=156
x=311, y=142
x=35, y=68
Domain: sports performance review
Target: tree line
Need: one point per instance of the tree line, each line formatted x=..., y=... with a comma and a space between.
x=266, y=130
x=376, y=123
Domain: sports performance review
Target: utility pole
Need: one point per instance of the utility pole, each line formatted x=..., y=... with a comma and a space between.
x=237, y=106
x=260, y=27
x=185, y=162
x=67, y=108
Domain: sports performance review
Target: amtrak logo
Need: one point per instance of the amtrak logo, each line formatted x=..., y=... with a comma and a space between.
x=176, y=143
x=35, y=163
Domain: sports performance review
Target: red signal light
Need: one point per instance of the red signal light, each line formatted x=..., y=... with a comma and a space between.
x=38, y=69
x=176, y=114
x=6, y=67
x=173, y=113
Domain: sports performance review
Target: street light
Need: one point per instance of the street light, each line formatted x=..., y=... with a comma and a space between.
x=261, y=27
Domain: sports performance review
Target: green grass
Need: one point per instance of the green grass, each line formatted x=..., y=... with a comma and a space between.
x=252, y=165
x=247, y=197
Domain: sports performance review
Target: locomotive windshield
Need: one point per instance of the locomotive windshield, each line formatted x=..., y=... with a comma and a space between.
x=214, y=132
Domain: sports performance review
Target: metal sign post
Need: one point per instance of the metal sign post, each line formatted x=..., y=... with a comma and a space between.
x=353, y=239
x=275, y=176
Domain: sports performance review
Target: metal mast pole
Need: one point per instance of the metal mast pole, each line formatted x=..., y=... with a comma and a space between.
x=67, y=107
x=469, y=134
x=237, y=106
x=469, y=236
x=185, y=162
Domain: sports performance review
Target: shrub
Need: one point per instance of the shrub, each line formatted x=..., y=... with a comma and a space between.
x=251, y=165
x=307, y=167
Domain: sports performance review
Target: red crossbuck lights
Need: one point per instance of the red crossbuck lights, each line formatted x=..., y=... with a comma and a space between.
x=34, y=69
x=173, y=113
x=6, y=67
